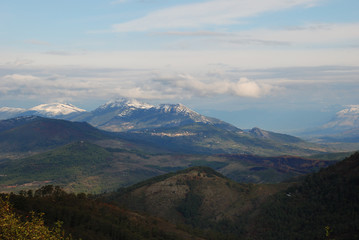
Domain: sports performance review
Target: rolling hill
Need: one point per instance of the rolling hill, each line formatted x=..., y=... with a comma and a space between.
x=88, y=167
x=24, y=134
x=197, y=196
x=322, y=205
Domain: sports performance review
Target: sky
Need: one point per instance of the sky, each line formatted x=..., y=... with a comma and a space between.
x=280, y=65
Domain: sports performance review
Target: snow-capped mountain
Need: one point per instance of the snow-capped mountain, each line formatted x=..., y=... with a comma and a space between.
x=344, y=127
x=346, y=118
x=129, y=114
x=56, y=109
x=52, y=110
x=124, y=103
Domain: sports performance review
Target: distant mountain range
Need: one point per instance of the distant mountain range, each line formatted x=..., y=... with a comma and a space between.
x=179, y=126
x=125, y=114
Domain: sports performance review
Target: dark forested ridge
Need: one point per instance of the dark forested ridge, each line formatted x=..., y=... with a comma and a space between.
x=325, y=203
x=86, y=218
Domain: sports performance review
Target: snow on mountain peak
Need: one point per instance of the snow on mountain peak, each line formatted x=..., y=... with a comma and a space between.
x=125, y=102
x=350, y=110
x=179, y=108
x=347, y=118
x=54, y=109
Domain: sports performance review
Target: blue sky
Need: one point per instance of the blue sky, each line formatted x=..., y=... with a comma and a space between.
x=276, y=64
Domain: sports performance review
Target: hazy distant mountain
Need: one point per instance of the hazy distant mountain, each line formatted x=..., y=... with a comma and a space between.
x=51, y=110
x=347, y=118
x=263, y=134
x=344, y=127
x=56, y=110
x=129, y=114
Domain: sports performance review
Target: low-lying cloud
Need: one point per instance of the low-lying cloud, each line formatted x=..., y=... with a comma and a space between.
x=79, y=83
x=187, y=85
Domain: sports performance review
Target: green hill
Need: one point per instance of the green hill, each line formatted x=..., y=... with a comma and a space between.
x=79, y=166
x=87, y=167
x=37, y=133
x=198, y=197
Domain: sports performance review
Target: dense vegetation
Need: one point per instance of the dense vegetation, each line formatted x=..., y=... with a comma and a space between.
x=324, y=201
x=88, y=219
x=323, y=205
x=31, y=226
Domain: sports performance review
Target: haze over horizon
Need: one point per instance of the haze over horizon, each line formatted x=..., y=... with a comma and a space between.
x=275, y=64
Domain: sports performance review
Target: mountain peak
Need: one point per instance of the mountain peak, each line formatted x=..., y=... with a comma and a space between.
x=175, y=108
x=54, y=109
x=349, y=110
x=346, y=118
x=125, y=102
x=259, y=132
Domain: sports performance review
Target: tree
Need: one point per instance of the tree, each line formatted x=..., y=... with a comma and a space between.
x=28, y=227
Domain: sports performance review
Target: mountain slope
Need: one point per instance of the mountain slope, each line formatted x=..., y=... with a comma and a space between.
x=346, y=119
x=343, y=128
x=56, y=110
x=198, y=196
x=327, y=199
x=89, y=219
x=78, y=166
x=210, y=139
x=52, y=110
x=36, y=133
x=129, y=115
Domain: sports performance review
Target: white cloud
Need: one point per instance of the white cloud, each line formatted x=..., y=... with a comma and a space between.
x=70, y=83
x=190, y=86
x=198, y=15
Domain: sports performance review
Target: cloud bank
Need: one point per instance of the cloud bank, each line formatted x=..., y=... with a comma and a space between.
x=83, y=83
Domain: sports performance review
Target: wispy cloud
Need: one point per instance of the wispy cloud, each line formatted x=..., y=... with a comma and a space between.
x=314, y=34
x=199, y=15
x=323, y=34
